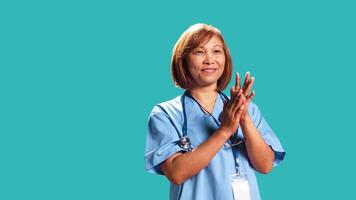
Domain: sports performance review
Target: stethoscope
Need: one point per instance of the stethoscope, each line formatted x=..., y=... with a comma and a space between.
x=184, y=141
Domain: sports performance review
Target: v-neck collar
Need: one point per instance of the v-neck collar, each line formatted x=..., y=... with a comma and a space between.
x=216, y=109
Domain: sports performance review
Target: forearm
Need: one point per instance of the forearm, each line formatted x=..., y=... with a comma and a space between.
x=259, y=153
x=189, y=164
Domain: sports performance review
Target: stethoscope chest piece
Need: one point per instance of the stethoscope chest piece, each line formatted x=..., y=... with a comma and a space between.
x=184, y=143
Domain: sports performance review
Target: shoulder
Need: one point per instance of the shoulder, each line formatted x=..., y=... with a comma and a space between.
x=172, y=108
x=255, y=113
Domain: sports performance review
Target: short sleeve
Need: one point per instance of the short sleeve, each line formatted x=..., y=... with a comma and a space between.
x=161, y=141
x=267, y=134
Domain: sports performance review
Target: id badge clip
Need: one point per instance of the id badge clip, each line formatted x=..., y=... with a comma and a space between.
x=240, y=186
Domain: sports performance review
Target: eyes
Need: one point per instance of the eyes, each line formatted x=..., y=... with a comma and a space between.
x=217, y=51
x=202, y=52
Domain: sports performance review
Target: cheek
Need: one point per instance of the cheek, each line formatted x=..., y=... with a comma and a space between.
x=193, y=65
x=194, y=71
x=222, y=61
x=192, y=68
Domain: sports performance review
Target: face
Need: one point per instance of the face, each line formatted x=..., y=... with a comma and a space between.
x=206, y=62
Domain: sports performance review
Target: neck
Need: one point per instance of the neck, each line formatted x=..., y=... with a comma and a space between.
x=204, y=94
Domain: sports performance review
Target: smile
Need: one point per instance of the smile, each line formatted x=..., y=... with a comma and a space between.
x=209, y=70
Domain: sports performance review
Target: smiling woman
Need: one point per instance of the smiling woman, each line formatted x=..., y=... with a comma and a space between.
x=207, y=62
x=201, y=46
x=207, y=144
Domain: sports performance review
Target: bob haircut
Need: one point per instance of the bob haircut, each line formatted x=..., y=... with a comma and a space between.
x=194, y=36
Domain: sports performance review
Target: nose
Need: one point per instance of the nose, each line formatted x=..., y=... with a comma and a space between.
x=208, y=59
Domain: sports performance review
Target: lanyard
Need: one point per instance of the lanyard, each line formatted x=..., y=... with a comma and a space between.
x=184, y=140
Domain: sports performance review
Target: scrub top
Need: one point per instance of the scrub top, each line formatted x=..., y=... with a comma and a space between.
x=165, y=124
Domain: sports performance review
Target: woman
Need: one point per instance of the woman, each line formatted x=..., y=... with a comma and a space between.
x=207, y=145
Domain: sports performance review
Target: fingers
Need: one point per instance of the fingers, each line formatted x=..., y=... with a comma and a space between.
x=232, y=97
x=249, y=97
x=248, y=83
x=236, y=99
x=239, y=111
x=239, y=107
x=235, y=103
x=247, y=79
x=239, y=101
x=232, y=90
x=249, y=86
x=233, y=109
x=237, y=83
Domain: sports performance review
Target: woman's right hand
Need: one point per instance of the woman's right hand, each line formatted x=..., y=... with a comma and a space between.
x=232, y=111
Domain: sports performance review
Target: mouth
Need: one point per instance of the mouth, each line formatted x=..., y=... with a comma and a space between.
x=209, y=69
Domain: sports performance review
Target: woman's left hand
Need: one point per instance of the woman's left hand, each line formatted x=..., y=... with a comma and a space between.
x=246, y=91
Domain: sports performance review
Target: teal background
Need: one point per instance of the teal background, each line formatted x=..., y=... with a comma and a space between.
x=78, y=80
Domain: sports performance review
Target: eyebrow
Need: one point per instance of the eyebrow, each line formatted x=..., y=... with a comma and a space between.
x=217, y=45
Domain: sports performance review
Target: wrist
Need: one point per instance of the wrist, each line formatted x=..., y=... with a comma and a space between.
x=224, y=132
x=245, y=118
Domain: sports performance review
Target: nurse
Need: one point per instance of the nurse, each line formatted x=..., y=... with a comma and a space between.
x=206, y=144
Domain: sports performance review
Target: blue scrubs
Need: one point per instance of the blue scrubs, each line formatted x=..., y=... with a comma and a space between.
x=212, y=182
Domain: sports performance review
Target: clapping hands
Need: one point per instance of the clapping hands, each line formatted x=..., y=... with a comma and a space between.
x=236, y=109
